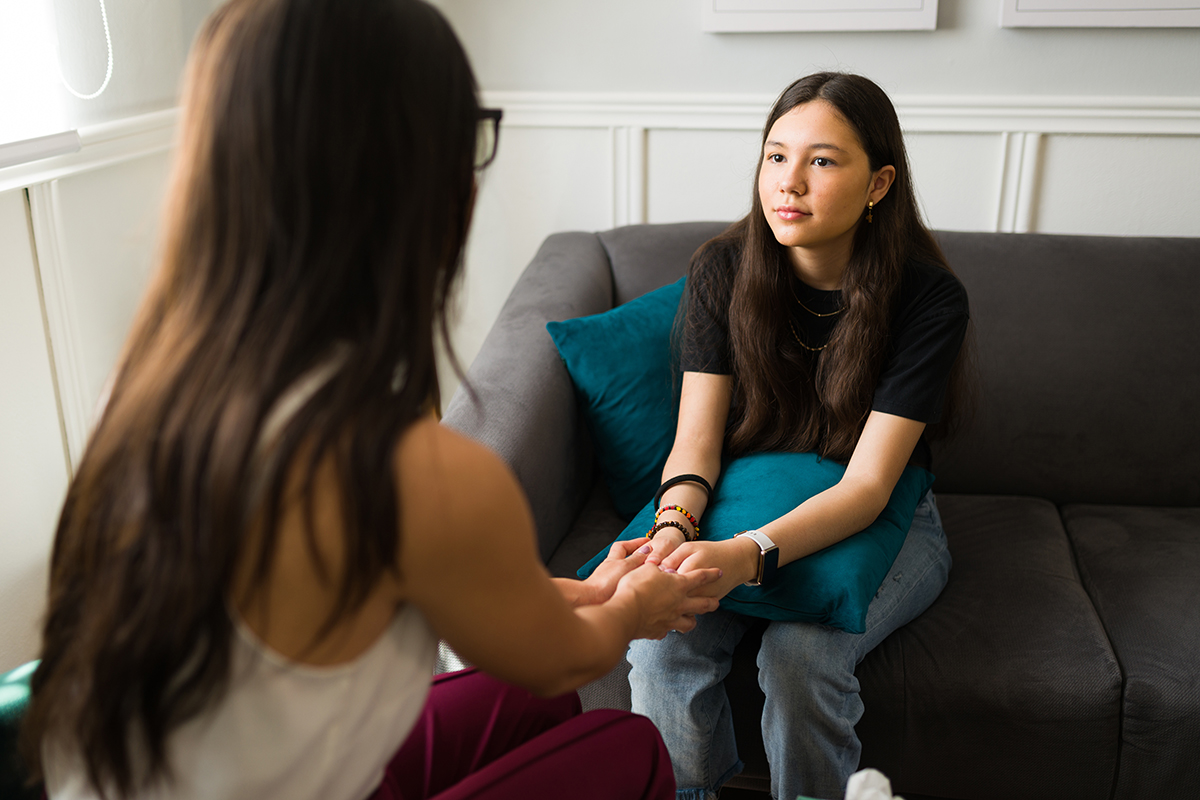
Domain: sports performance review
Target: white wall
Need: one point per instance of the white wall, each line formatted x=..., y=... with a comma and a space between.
x=73, y=263
x=33, y=464
x=150, y=42
x=625, y=112
x=657, y=46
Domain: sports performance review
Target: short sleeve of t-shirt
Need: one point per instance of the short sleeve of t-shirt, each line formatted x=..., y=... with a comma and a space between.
x=929, y=322
x=704, y=346
x=928, y=326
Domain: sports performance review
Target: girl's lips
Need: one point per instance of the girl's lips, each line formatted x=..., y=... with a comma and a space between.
x=790, y=213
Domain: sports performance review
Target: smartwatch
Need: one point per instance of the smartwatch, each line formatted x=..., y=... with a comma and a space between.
x=768, y=557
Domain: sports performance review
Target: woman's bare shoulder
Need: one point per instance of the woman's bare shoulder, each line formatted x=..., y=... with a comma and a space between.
x=430, y=456
x=455, y=486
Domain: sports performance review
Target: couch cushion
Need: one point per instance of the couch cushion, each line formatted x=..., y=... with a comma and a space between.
x=1087, y=352
x=620, y=362
x=1141, y=567
x=1006, y=686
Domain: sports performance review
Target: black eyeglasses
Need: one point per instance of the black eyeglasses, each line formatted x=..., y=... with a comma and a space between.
x=487, y=136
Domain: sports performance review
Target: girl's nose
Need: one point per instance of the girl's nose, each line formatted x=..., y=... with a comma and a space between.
x=793, y=181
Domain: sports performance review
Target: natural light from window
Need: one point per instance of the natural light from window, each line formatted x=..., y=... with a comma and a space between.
x=32, y=97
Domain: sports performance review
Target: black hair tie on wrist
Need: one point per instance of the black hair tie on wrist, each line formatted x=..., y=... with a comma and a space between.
x=667, y=484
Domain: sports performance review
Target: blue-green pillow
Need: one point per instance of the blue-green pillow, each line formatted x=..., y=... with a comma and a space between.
x=620, y=362
x=833, y=586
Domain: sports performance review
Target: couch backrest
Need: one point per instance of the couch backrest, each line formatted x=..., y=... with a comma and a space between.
x=1089, y=360
x=1088, y=353
x=645, y=257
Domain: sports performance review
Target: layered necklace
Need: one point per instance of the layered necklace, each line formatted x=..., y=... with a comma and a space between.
x=792, y=327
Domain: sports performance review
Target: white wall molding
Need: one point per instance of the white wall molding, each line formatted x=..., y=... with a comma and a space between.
x=1147, y=116
x=99, y=146
x=629, y=175
x=1140, y=116
x=1020, y=167
x=61, y=317
x=56, y=144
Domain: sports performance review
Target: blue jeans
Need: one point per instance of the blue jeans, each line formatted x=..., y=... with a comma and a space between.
x=805, y=670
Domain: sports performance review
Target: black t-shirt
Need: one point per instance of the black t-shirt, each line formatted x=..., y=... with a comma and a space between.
x=929, y=320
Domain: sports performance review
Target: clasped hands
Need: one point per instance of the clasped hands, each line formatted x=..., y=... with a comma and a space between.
x=700, y=572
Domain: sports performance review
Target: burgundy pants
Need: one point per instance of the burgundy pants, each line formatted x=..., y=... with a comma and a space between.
x=480, y=738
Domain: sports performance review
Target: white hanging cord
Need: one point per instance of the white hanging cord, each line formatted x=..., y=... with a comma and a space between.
x=107, y=74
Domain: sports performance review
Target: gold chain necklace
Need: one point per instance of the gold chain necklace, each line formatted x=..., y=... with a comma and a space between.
x=800, y=342
x=809, y=310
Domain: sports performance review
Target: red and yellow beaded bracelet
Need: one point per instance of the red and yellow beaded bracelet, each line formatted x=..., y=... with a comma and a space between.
x=687, y=515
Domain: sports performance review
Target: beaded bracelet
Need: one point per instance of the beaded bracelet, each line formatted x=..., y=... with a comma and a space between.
x=695, y=522
x=670, y=523
x=689, y=478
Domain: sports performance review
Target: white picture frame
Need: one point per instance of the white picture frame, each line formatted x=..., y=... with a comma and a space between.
x=1099, y=13
x=769, y=16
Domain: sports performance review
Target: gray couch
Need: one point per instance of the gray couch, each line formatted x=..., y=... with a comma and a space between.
x=1063, y=658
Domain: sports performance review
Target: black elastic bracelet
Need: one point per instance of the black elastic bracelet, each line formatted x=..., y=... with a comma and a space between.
x=667, y=484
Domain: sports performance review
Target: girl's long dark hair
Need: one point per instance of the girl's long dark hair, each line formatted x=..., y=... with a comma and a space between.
x=785, y=396
x=319, y=202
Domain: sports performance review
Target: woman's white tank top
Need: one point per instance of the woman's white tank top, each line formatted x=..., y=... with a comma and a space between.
x=288, y=730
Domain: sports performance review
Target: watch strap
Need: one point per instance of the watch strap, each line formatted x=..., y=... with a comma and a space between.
x=768, y=557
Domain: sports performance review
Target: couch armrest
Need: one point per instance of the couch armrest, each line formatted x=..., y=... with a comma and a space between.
x=526, y=409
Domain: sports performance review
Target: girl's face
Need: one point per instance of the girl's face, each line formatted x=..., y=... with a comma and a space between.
x=815, y=183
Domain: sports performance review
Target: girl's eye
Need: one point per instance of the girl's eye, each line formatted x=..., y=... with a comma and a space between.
x=775, y=158
x=821, y=161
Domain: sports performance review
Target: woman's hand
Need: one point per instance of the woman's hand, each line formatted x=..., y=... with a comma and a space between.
x=623, y=558
x=667, y=601
x=737, y=559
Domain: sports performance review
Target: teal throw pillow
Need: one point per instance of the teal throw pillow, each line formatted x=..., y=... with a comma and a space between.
x=833, y=586
x=620, y=362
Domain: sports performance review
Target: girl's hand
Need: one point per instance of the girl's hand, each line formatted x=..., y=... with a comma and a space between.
x=737, y=558
x=668, y=538
x=667, y=601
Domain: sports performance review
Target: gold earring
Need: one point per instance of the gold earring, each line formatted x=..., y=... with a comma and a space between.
x=870, y=205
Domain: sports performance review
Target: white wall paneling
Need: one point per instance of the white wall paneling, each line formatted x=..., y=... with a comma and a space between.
x=100, y=146
x=95, y=232
x=33, y=464
x=954, y=178
x=629, y=174
x=700, y=174
x=56, y=144
x=1120, y=184
x=62, y=320
x=72, y=266
x=1020, y=168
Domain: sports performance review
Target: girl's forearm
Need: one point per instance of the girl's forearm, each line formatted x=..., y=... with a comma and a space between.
x=825, y=519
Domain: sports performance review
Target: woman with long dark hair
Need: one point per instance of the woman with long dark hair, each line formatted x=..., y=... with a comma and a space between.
x=826, y=320
x=269, y=530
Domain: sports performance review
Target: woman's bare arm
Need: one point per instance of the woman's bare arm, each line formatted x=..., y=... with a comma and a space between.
x=468, y=560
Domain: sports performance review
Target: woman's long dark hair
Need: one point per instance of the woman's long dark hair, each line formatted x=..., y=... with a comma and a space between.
x=319, y=203
x=785, y=396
